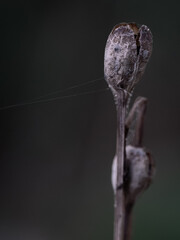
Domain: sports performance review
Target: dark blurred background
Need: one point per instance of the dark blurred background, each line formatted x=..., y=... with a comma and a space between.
x=55, y=158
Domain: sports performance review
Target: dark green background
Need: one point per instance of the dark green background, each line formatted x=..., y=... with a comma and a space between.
x=55, y=158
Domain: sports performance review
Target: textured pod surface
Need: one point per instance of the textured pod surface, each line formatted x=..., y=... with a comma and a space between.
x=145, y=50
x=127, y=51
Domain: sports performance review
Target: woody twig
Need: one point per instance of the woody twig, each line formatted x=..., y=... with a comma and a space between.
x=139, y=166
x=127, y=52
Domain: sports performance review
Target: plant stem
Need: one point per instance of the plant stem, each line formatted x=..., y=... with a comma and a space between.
x=119, y=204
x=137, y=112
x=128, y=221
x=140, y=122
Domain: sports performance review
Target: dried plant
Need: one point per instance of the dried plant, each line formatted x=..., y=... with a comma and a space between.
x=127, y=52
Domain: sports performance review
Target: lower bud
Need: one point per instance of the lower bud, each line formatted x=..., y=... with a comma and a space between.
x=139, y=170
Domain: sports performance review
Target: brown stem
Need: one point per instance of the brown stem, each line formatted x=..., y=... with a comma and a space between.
x=138, y=109
x=119, y=204
x=138, y=112
x=128, y=222
x=140, y=124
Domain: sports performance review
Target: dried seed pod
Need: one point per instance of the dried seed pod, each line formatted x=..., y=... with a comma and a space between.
x=138, y=173
x=127, y=52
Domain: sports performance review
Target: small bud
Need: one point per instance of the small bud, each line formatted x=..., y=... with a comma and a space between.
x=140, y=170
x=127, y=52
x=138, y=173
